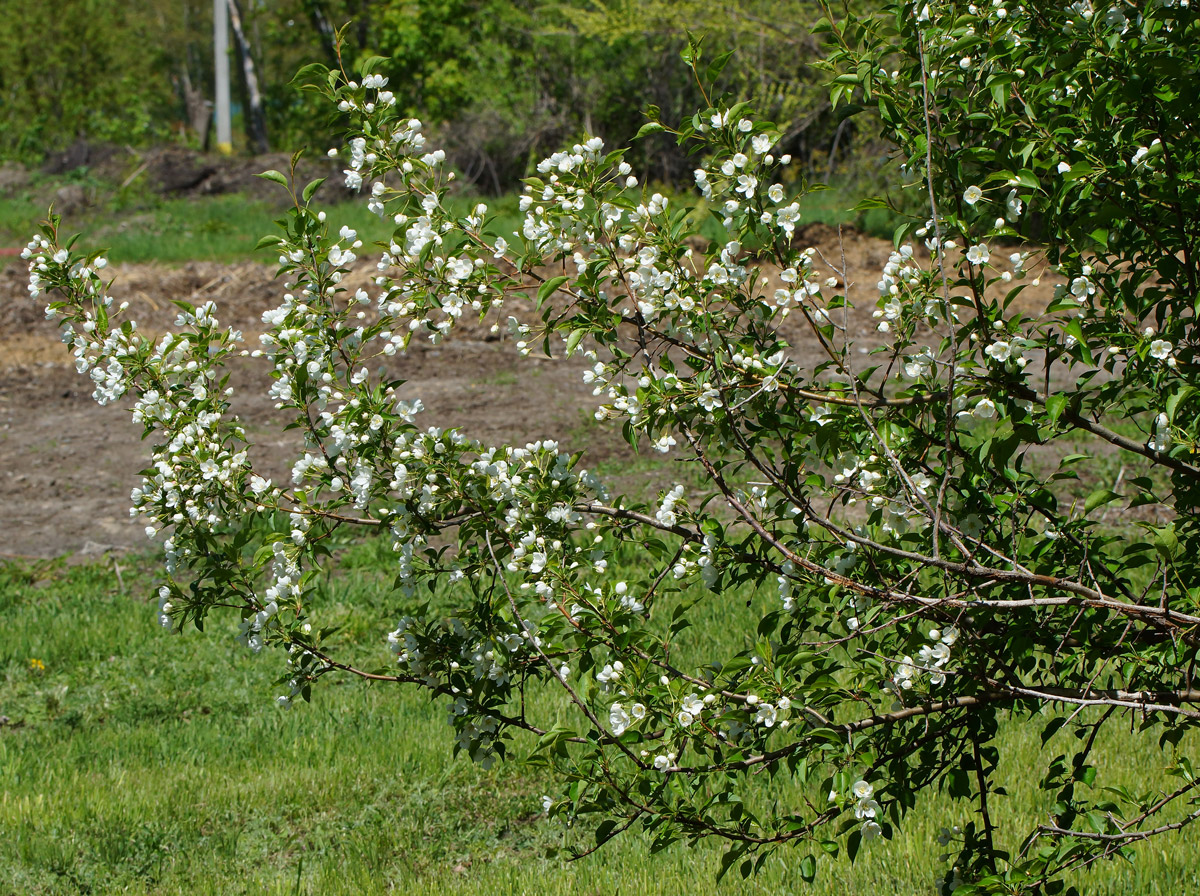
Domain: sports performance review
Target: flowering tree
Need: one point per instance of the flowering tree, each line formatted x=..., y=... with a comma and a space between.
x=902, y=511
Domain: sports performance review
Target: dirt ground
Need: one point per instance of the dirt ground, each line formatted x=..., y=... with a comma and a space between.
x=68, y=465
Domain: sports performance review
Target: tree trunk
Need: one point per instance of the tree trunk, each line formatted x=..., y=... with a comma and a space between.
x=324, y=29
x=837, y=138
x=198, y=109
x=256, y=120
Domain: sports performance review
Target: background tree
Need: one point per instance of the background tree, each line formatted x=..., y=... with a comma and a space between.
x=773, y=64
x=94, y=69
x=500, y=84
x=254, y=115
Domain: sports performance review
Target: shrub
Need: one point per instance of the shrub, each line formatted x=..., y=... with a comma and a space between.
x=917, y=517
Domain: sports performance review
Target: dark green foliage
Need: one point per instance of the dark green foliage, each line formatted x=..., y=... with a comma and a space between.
x=93, y=68
x=500, y=84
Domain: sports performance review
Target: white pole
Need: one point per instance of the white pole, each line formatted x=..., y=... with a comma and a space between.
x=221, y=62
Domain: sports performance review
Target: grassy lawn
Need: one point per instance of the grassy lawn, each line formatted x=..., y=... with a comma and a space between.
x=138, y=761
x=138, y=226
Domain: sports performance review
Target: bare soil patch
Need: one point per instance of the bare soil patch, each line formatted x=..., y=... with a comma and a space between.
x=68, y=465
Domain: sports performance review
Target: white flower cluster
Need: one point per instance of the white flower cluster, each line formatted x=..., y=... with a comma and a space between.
x=626, y=599
x=199, y=463
x=565, y=162
x=1006, y=351
x=866, y=808
x=690, y=710
x=666, y=510
x=733, y=179
x=768, y=714
x=1162, y=350
x=609, y=674
x=619, y=719
x=798, y=289
x=900, y=274
x=932, y=659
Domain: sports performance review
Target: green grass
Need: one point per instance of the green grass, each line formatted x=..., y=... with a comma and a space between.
x=138, y=226
x=139, y=761
x=836, y=205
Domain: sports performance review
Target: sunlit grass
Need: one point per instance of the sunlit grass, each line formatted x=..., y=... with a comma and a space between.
x=138, y=761
x=138, y=226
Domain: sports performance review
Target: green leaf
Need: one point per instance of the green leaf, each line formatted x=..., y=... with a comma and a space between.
x=604, y=831
x=312, y=187
x=717, y=66
x=275, y=176
x=650, y=127
x=573, y=341
x=1026, y=178
x=688, y=54
x=1079, y=171
x=310, y=72
x=852, y=844
x=1166, y=541
x=735, y=852
x=368, y=65
x=1176, y=398
x=1099, y=498
x=1055, y=405
x=548, y=288
x=808, y=869
x=1052, y=728
x=1074, y=328
x=554, y=741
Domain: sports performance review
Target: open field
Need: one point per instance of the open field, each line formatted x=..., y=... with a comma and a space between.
x=69, y=465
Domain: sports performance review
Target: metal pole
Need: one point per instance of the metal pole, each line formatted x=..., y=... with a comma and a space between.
x=221, y=63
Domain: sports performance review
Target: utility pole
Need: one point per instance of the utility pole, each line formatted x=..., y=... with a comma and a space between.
x=221, y=62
